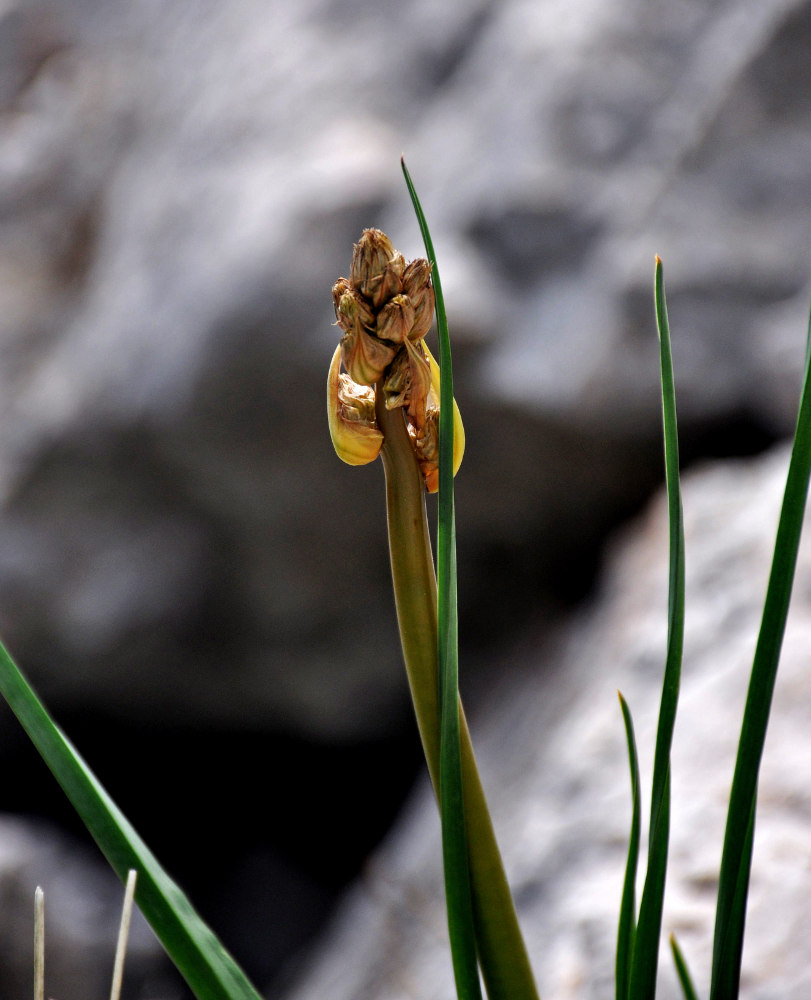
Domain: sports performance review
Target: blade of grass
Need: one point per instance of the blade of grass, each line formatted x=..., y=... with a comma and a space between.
x=461, y=925
x=682, y=971
x=736, y=858
x=201, y=959
x=627, y=920
x=649, y=927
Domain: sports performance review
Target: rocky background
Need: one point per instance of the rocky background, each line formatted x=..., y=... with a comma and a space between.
x=194, y=583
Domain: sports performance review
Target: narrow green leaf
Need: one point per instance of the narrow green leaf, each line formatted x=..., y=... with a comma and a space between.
x=682, y=971
x=675, y=614
x=627, y=920
x=461, y=925
x=202, y=960
x=649, y=926
x=736, y=858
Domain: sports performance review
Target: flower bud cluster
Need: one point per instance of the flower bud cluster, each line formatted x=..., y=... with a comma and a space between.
x=383, y=304
x=384, y=309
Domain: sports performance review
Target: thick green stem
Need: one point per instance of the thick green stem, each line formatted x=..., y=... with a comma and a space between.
x=502, y=953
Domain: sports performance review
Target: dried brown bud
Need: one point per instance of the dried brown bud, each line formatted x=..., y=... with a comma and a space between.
x=339, y=289
x=396, y=386
x=351, y=309
x=372, y=253
x=417, y=276
x=364, y=356
x=432, y=479
x=424, y=431
x=409, y=382
x=396, y=319
x=377, y=268
x=425, y=439
x=417, y=286
x=391, y=281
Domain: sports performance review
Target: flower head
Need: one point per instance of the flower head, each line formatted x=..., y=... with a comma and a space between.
x=384, y=309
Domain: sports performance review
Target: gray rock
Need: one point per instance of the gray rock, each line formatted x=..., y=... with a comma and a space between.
x=179, y=189
x=552, y=752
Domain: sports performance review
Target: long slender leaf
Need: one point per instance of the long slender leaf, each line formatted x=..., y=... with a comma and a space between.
x=736, y=858
x=202, y=960
x=461, y=926
x=682, y=971
x=649, y=927
x=627, y=920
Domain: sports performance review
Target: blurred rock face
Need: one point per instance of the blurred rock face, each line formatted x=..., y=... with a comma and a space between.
x=179, y=188
x=178, y=191
x=551, y=746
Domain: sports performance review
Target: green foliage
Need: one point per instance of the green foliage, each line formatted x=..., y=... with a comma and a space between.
x=641, y=940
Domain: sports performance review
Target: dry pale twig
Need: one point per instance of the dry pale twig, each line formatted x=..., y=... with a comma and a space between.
x=39, y=944
x=121, y=945
x=123, y=935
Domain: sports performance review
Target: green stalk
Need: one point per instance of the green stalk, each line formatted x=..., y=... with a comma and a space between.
x=502, y=953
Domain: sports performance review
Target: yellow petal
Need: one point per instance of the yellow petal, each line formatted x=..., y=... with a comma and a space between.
x=458, y=427
x=355, y=435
